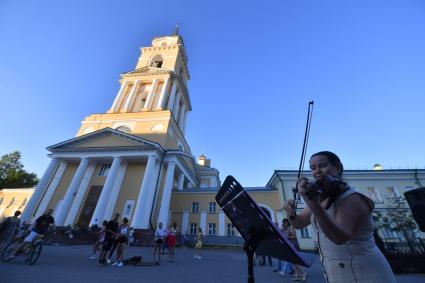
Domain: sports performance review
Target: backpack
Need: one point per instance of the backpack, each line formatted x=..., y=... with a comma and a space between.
x=133, y=260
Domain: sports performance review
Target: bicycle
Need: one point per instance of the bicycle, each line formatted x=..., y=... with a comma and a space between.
x=31, y=250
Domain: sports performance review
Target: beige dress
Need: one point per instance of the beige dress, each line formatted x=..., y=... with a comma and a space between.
x=358, y=260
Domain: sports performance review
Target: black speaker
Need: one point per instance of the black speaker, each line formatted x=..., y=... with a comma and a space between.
x=416, y=200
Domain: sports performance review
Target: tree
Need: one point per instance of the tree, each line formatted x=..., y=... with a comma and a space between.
x=12, y=173
x=397, y=217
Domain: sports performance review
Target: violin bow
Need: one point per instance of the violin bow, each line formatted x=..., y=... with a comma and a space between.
x=303, y=155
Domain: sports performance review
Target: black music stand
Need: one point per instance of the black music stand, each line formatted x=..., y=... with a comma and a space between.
x=259, y=233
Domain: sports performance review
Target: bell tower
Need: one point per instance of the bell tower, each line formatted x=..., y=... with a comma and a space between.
x=153, y=100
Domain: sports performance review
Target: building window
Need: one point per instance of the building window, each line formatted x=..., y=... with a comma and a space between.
x=305, y=233
x=374, y=195
x=193, y=228
x=211, y=229
x=157, y=61
x=24, y=202
x=230, y=229
x=195, y=207
x=104, y=170
x=12, y=201
x=211, y=207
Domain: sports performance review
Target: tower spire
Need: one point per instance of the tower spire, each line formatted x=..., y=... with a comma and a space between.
x=176, y=30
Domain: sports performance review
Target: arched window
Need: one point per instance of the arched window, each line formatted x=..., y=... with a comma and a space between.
x=124, y=129
x=156, y=61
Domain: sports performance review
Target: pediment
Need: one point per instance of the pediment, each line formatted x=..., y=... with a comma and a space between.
x=104, y=139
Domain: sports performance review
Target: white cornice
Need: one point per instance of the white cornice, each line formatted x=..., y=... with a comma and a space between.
x=126, y=120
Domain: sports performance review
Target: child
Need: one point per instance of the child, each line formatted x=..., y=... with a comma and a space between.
x=198, y=246
x=171, y=236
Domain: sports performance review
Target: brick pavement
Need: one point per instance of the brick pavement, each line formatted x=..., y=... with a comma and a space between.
x=66, y=264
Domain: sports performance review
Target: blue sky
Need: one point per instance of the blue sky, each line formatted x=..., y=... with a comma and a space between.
x=254, y=67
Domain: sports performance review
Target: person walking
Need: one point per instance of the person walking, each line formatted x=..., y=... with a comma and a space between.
x=198, y=246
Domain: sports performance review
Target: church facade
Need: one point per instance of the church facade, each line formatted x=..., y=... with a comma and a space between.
x=134, y=158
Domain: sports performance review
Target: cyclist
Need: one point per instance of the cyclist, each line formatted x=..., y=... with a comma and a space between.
x=37, y=228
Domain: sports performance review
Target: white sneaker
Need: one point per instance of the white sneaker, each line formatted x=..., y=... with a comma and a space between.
x=120, y=264
x=108, y=260
x=195, y=257
x=93, y=257
x=199, y=257
x=115, y=263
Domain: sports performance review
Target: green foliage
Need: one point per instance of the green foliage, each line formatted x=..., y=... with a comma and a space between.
x=12, y=173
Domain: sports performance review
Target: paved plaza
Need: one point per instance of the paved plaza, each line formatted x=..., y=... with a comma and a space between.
x=64, y=264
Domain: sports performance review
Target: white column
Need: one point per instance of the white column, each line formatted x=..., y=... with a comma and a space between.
x=181, y=116
x=221, y=224
x=183, y=128
x=203, y=221
x=162, y=95
x=131, y=96
x=118, y=98
x=71, y=192
x=146, y=193
x=185, y=222
x=76, y=204
x=51, y=189
x=176, y=107
x=166, y=194
x=172, y=96
x=99, y=211
x=150, y=97
x=180, y=182
x=115, y=191
x=38, y=193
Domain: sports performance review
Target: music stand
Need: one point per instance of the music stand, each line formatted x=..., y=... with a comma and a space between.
x=259, y=233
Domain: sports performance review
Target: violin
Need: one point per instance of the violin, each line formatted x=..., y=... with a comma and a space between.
x=327, y=186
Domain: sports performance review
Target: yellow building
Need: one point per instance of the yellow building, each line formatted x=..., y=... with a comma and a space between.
x=12, y=200
x=134, y=159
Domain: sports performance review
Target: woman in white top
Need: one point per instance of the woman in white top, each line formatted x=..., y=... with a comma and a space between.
x=159, y=240
x=343, y=221
x=122, y=238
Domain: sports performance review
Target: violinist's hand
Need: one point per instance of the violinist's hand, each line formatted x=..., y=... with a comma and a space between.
x=303, y=186
x=305, y=190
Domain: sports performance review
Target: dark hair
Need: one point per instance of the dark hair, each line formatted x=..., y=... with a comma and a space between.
x=333, y=159
x=285, y=220
x=104, y=223
x=17, y=213
x=125, y=220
